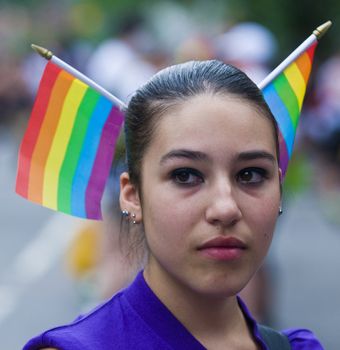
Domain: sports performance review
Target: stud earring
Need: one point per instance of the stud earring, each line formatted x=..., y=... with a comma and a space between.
x=280, y=210
x=134, y=218
x=125, y=213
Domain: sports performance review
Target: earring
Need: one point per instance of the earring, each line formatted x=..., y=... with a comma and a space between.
x=134, y=218
x=125, y=213
x=280, y=210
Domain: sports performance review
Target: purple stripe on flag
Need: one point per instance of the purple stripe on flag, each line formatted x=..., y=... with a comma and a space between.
x=102, y=164
x=284, y=157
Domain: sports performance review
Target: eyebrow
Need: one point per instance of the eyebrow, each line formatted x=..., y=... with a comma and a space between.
x=251, y=155
x=184, y=153
x=200, y=156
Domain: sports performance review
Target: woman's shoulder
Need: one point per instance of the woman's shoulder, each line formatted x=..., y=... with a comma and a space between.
x=302, y=339
x=85, y=328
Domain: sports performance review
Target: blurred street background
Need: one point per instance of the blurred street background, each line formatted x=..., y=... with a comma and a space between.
x=54, y=266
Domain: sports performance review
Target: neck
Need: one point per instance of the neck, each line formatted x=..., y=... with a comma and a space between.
x=205, y=316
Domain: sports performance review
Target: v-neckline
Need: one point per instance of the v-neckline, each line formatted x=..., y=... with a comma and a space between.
x=160, y=319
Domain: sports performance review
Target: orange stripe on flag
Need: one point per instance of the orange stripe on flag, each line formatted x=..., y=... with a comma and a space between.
x=46, y=136
x=305, y=65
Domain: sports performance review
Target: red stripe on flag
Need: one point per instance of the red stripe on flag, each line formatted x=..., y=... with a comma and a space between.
x=46, y=135
x=30, y=138
x=311, y=51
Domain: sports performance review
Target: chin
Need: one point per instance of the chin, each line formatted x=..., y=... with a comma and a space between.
x=220, y=287
x=220, y=292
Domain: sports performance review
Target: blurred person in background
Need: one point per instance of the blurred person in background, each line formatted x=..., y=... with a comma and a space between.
x=249, y=46
x=116, y=63
x=15, y=98
x=195, y=47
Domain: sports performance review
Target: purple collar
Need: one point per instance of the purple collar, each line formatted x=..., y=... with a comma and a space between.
x=156, y=315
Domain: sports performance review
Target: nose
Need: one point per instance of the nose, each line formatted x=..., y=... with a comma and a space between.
x=223, y=208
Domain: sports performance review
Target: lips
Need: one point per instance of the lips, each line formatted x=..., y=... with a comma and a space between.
x=224, y=242
x=223, y=248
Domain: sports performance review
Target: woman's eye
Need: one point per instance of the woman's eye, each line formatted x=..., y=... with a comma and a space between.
x=252, y=175
x=187, y=176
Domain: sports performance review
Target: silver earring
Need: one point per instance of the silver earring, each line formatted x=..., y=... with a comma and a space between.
x=125, y=213
x=280, y=210
x=134, y=218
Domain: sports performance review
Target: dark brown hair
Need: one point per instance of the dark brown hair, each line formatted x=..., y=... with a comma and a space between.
x=174, y=85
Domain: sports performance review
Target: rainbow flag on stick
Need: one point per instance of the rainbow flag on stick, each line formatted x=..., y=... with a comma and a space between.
x=68, y=147
x=284, y=90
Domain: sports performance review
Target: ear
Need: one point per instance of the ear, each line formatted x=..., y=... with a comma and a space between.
x=280, y=176
x=129, y=198
x=281, y=181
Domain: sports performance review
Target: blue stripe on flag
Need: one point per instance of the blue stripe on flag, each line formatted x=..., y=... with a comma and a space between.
x=88, y=155
x=281, y=115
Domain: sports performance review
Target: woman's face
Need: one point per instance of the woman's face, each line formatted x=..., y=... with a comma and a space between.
x=210, y=194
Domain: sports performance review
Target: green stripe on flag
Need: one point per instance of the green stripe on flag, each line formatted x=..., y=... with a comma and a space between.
x=73, y=151
x=288, y=97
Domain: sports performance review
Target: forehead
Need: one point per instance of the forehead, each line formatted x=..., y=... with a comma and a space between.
x=214, y=122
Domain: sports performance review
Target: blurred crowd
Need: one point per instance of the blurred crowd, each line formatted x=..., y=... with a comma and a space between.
x=123, y=60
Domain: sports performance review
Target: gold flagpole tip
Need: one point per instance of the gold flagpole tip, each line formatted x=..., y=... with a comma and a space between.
x=320, y=31
x=42, y=51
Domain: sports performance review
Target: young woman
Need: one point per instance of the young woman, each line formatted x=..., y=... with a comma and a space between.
x=203, y=188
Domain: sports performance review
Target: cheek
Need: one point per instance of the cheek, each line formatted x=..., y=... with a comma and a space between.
x=161, y=221
x=168, y=221
x=262, y=217
x=265, y=222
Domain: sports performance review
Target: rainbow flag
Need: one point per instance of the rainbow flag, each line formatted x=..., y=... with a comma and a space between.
x=284, y=96
x=67, y=150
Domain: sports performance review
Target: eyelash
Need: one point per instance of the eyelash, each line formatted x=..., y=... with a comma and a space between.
x=189, y=172
x=200, y=179
x=263, y=173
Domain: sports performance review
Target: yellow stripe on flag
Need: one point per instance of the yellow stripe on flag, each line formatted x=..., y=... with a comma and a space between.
x=296, y=82
x=60, y=143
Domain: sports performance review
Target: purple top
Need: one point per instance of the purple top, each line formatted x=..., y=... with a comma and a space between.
x=136, y=319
